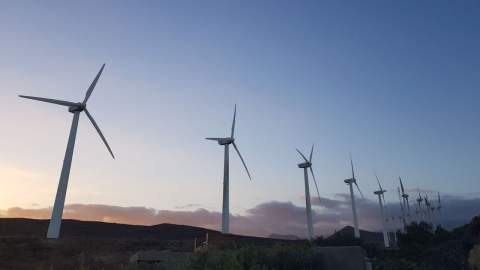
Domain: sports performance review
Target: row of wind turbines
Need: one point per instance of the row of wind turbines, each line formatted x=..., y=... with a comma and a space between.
x=422, y=214
x=76, y=108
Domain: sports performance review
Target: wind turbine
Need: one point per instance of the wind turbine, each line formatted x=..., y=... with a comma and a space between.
x=307, y=165
x=429, y=207
x=419, y=210
x=439, y=207
x=226, y=201
x=432, y=213
x=381, y=200
x=350, y=182
x=405, y=198
x=76, y=109
x=402, y=208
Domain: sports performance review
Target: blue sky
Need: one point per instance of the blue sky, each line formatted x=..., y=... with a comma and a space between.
x=393, y=82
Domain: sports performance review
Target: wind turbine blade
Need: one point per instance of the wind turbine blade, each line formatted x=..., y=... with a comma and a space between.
x=213, y=139
x=92, y=86
x=401, y=185
x=99, y=132
x=359, y=189
x=378, y=181
x=243, y=161
x=400, y=198
x=233, y=122
x=383, y=198
x=306, y=160
x=311, y=153
x=315, y=182
x=351, y=164
x=53, y=101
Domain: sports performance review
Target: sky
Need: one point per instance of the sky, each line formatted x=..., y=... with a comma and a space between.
x=394, y=83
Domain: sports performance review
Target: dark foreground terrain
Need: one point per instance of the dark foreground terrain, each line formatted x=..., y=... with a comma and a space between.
x=97, y=245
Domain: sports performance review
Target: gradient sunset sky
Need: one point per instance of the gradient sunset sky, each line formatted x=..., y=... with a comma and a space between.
x=396, y=83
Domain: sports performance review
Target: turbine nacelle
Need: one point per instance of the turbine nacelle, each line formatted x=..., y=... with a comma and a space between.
x=305, y=165
x=224, y=141
x=379, y=192
x=350, y=181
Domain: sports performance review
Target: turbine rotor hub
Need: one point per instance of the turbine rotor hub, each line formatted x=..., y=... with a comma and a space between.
x=76, y=108
x=349, y=181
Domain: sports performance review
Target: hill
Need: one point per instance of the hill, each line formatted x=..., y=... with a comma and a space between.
x=98, y=244
x=365, y=236
x=74, y=228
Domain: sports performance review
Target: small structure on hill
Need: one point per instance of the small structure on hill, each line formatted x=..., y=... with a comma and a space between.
x=203, y=245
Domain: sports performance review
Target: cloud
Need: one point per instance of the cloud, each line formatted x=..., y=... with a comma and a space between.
x=283, y=218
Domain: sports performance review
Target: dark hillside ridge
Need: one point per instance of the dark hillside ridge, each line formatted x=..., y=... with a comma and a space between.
x=366, y=236
x=76, y=228
x=23, y=227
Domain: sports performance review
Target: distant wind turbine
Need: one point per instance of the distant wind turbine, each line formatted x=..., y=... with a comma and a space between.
x=381, y=200
x=350, y=183
x=432, y=212
x=307, y=165
x=439, y=208
x=429, y=208
x=419, y=209
x=76, y=109
x=226, y=200
x=402, y=208
x=405, y=198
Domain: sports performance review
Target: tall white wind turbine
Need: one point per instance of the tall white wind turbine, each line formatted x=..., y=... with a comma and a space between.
x=226, y=199
x=381, y=200
x=307, y=165
x=76, y=109
x=350, y=183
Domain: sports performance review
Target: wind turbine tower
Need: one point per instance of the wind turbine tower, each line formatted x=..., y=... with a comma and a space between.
x=439, y=208
x=75, y=109
x=226, y=200
x=432, y=212
x=306, y=166
x=350, y=183
x=381, y=200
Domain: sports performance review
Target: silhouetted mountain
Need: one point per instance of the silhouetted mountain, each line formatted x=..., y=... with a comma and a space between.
x=75, y=228
x=34, y=228
x=365, y=236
